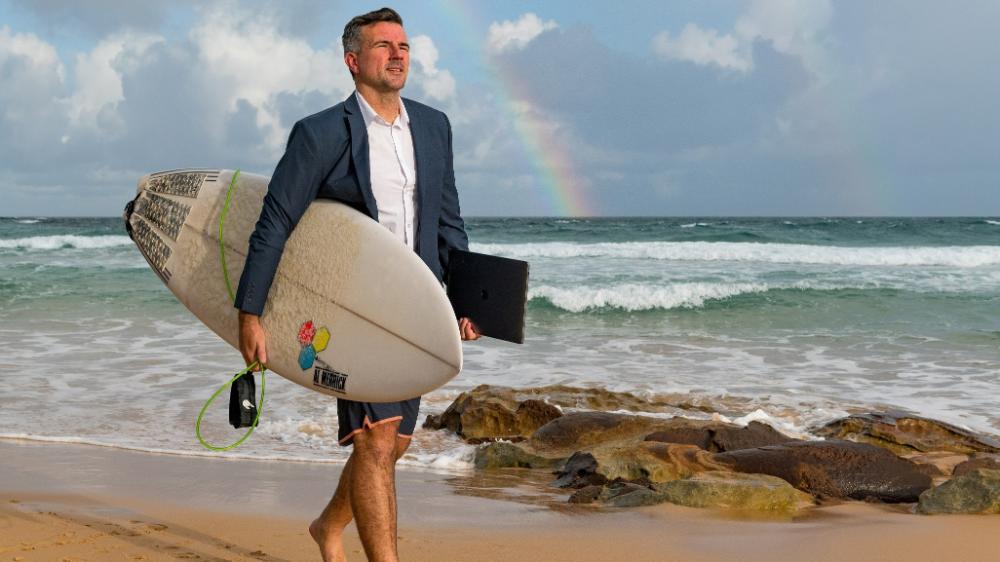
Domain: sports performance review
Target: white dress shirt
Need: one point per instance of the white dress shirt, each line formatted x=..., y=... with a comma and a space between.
x=393, y=171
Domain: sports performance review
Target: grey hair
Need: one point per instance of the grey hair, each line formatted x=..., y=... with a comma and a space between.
x=352, y=31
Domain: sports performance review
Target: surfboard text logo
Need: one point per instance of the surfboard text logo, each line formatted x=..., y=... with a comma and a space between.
x=331, y=379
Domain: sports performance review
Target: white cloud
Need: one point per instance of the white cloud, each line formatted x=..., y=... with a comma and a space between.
x=436, y=83
x=33, y=85
x=703, y=47
x=514, y=35
x=793, y=26
x=247, y=58
x=99, y=79
x=29, y=46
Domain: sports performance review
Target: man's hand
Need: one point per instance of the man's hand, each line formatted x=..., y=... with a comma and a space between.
x=467, y=329
x=252, y=339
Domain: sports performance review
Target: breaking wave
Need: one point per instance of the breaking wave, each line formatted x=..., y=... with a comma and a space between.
x=954, y=256
x=62, y=241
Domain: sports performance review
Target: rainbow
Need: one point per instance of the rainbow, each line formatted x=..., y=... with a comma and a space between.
x=564, y=189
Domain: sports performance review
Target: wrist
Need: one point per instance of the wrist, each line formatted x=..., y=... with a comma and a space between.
x=248, y=318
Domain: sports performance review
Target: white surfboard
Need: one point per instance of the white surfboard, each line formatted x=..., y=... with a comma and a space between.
x=352, y=312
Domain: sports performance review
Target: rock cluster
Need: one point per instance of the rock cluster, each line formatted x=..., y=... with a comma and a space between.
x=626, y=460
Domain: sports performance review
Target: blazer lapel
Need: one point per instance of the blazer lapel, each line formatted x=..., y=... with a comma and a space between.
x=359, y=153
x=417, y=131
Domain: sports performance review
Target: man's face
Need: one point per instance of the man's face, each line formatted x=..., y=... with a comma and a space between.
x=383, y=59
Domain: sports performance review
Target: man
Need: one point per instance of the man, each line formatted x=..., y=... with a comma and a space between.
x=390, y=158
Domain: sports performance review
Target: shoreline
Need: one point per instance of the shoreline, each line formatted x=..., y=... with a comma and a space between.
x=92, y=503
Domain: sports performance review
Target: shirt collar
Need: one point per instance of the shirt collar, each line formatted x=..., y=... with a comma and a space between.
x=370, y=115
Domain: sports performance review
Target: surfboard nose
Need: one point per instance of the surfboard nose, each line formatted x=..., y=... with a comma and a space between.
x=130, y=206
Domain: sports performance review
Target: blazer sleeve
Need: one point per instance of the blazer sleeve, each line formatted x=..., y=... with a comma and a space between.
x=451, y=227
x=292, y=188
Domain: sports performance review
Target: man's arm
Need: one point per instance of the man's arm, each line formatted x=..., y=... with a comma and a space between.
x=451, y=227
x=293, y=187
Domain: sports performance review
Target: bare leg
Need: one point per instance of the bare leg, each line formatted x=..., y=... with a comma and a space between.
x=373, y=490
x=328, y=529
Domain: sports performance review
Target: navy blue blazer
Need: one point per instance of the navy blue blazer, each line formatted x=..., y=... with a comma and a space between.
x=327, y=156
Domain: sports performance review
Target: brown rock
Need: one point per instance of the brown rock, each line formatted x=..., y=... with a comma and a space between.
x=728, y=490
x=580, y=471
x=605, y=400
x=586, y=495
x=978, y=460
x=700, y=437
x=976, y=491
x=720, y=437
x=838, y=469
x=630, y=494
x=653, y=461
x=903, y=433
x=489, y=413
x=583, y=430
x=502, y=454
x=641, y=463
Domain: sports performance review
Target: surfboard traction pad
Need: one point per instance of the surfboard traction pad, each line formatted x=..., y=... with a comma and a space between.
x=327, y=265
x=165, y=214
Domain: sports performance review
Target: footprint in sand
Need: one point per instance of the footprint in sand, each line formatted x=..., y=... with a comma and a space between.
x=149, y=526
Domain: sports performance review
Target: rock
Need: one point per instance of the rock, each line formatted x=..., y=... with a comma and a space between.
x=653, y=461
x=903, y=433
x=644, y=463
x=628, y=494
x=582, y=430
x=489, y=413
x=978, y=460
x=719, y=437
x=838, y=469
x=503, y=454
x=605, y=400
x=976, y=491
x=588, y=494
x=498, y=412
x=728, y=490
x=579, y=471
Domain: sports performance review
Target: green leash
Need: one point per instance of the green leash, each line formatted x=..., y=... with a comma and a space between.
x=250, y=368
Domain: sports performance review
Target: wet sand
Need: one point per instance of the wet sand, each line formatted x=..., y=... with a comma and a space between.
x=78, y=502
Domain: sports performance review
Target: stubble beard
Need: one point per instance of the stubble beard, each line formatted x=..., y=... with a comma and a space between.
x=392, y=82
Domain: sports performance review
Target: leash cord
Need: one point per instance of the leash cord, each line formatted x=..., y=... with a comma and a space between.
x=250, y=368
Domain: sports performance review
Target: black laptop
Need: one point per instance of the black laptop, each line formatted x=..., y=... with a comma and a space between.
x=491, y=291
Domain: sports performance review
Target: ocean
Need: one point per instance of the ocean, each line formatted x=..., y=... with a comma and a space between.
x=791, y=321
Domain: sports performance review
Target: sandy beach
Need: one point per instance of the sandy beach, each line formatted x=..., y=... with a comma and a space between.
x=77, y=502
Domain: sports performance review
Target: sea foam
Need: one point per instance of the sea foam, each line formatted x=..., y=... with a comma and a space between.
x=65, y=241
x=634, y=296
x=954, y=256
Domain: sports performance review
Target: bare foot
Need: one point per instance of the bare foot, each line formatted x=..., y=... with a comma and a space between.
x=330, y=541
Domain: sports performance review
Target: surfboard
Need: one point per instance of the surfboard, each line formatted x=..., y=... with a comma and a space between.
x=352, y=312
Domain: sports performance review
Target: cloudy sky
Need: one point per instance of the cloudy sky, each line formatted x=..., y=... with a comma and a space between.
x=764, y=107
